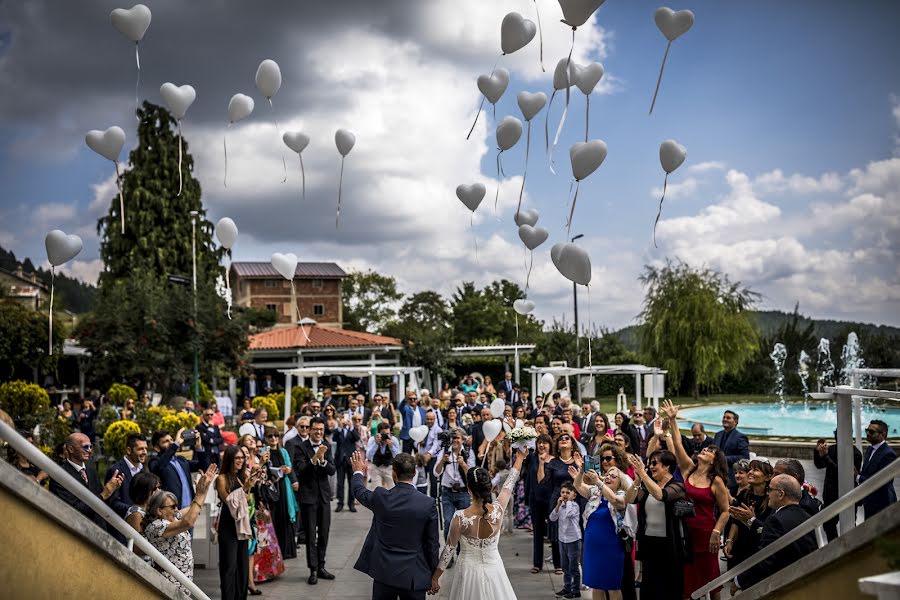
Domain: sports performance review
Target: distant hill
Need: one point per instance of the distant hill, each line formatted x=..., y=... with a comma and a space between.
x=769, y=322
x=71, y=294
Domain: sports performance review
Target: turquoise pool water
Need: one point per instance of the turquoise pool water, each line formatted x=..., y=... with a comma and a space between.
x=793, y=420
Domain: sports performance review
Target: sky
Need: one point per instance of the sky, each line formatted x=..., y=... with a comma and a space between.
x=789, y=111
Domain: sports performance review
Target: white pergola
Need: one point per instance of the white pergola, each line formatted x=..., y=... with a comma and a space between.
x=504, y=350
x=653, y=383
x=317, y=371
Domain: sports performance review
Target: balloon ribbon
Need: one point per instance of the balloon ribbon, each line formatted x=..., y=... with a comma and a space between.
x=659, y=79
x=337, y=218
x=180, y=182
x=546, y=123
x=50, y=336
x=587, y=117
x=540, y=35
x=121, y=197
x=524, y=173
x=572, y=209
x=296, y=302
x=530, y=265
x=137, y=83
x=228, y=288
x=483, y=98
x=225, y=147
x=278, y=132
x=499, y=172
x=474, y=237
x=562, y=121
x=665, y=182
x=303, y=175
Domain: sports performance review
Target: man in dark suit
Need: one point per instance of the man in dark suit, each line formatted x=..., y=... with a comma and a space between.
x=128, y=466
x=345, y=438
x=313, y=464
x=401, y=550
x=878, y=456
x=356, y=406
x=784, y=497
x=825, y=457
x=732, y=442
x=478, y=432
x=507, y=384
x=251, y=387
x=211, y=442
x=78, y=449
x=637, y=432
x=174, y=471
x=794, y=468
x=699, y=440
x=586, y=421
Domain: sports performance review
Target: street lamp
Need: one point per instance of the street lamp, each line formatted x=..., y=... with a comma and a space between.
x=194, y=214
x=577, y=336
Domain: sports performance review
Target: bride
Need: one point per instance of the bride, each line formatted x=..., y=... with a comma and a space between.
x=479, y=571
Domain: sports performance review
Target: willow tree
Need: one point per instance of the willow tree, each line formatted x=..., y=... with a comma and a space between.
x=696, y=324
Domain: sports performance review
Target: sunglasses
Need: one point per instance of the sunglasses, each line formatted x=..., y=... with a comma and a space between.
x=87, y=447
x=872, y=431
x=607, y=458
x=169, y=506
x=302, y=426
x=207, y=414
x=273, y=436
x=565, y=438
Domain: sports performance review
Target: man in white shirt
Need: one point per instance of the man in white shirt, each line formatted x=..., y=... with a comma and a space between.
x=380, y=453
x=259, y=423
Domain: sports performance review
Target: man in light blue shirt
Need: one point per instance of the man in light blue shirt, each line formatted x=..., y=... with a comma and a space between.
x=380, y=453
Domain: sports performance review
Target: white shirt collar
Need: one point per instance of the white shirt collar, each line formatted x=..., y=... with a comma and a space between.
x=77, y=467
x=135, y=469
x=875, y=447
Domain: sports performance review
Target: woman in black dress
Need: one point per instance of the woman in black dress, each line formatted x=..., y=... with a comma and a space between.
x=234, y=557
x=284, y=511
x=538, y=488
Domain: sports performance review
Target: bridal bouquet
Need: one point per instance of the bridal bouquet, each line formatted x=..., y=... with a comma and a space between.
x=522, y=437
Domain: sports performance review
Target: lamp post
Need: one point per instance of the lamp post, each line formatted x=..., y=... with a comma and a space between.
x=577, y=335
x=196, y=386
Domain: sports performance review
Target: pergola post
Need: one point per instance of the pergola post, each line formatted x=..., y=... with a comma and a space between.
x=401, y=387
x=315, y=384
x=534, y=389
x=637, y=389
x=287, y=396
x=844, y=403
x=857, y=412
x=373, y=384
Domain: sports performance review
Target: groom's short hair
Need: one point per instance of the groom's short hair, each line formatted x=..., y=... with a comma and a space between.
x=404, y=467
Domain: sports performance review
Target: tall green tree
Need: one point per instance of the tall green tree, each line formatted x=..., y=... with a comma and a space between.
x=370, y=301
x=423, y=325
x=23, y=341
x=486, y=316
x=696, y=325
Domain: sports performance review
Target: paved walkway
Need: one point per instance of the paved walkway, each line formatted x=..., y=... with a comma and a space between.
x=348, y=532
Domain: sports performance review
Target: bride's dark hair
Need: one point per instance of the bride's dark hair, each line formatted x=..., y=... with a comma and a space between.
x=478, y=480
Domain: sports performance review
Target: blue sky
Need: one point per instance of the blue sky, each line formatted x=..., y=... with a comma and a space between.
x=789, y=113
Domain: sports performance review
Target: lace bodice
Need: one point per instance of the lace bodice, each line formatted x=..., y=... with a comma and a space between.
x=464, y=529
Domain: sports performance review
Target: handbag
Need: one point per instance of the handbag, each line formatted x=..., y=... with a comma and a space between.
x=683, y=508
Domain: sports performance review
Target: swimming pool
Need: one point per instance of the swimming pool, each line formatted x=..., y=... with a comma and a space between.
x=817, y=420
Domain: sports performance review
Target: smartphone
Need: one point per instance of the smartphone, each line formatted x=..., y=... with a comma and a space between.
x=591, y=463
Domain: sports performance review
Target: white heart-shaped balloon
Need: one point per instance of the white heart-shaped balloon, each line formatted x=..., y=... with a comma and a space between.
x=671, y=155
x=418, y=433
x=516, y=32
x=285, y=264
x=239, y=107
x=577, y=12
x=672, y=24
x=547, y=384
x=491, y=429
x=268, y=78
x=296, y=140
x=177, y=99
x=523, y=307
x=226, y=232
x=586, y=157
x=586, y=77
x=344, y=140
x=531, y=236
x=572, y=262
x=471, y=195
x=107, y=144
x=526, y=217
x=61, y=248
x=531, y=104
x=561, y=79
x=131, y=22
x=508, y=132
x=497, y=407
x=493, y=86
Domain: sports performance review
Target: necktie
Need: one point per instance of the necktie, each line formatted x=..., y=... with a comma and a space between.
x=83, y=473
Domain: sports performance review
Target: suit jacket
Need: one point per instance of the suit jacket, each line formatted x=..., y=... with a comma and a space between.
x=506, y=386
x=639, y=444
x=257, y=391
x=93, y=485
x=120, y=501
x=586, y=423
x=313, y=479
x=778, y=524
x=163, y=466
x=401, y=549
x=872, y=463
x=829, y=462
x=345, y=445
x=407, y=412
x=735, y=446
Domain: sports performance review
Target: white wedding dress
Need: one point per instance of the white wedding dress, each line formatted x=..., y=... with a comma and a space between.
x=479, y=572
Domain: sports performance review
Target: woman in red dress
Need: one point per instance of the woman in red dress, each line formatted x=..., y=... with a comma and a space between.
x=705, y=485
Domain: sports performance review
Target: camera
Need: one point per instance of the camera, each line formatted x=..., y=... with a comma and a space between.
x=385, y=437
x=189, y=437
x=445, y=438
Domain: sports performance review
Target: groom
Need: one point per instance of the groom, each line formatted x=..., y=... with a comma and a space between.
x=401, y=551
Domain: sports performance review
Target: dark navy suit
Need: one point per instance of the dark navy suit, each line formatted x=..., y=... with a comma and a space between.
x=872, y=463
x=735, y=446
x=401, y=549
x=778, y=524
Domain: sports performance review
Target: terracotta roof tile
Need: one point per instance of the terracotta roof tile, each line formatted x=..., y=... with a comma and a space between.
x=319, y=337
x=306, y=270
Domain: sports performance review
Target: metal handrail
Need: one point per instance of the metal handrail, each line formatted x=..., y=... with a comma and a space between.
x=849, y=500
x=36, y=457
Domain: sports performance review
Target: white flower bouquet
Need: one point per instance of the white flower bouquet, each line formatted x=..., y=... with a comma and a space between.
x=522, y=437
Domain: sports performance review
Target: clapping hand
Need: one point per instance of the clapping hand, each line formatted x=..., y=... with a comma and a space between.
x=638, y=465
x=742, y=513
x=573, y=472
x=670, y=409
x=658, y=428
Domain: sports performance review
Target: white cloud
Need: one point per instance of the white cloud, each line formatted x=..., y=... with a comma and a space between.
x=775, y=182
x=703, y=167
x=7, y=239
x=87, y=271
x=678, y=189
x=53, y=214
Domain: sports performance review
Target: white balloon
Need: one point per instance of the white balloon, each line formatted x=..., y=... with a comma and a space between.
x=577, y=12
x=508, y=132
x=471, y=195
x=673, y=24
x=520, y=423
x=526, y=217
x=561, y=79
x=268, y=78
x=572, y=262
x=671, y=155
x=226, y=232
x=523, y=307
x=497, y=407
x=246, y=429
x=285, y=264
x=177, y=99
x=586, y=77
x=516, y=32
x=493, y=85
x=295, y=140
x=418, y=433
x=586, y=157
x=61, y=248
x=491, y=429
x=531, y=104
x=239, y=107
x=344, y=140
x=547, y=383
x=107, y=144
x=531, y=236
x=131, y=22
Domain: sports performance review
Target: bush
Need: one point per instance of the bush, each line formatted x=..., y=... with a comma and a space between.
x=106, y=416
x=116, y=435
x=272, y=403
x=24, y=402
x=205, y=396
x=118, y=393
x=149, y=418
x=299, y=396
x=175, y=421
x=53, y=429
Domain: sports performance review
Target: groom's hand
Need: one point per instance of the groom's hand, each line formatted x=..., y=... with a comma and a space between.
x=358, y=463
x=435, y=585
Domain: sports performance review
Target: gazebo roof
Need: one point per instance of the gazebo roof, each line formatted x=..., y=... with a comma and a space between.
x=317, y=336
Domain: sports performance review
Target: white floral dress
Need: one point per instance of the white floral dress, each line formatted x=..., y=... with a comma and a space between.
x=176, y=548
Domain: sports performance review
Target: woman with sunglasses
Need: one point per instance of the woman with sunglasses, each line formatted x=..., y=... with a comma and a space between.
x=284, y=510
x=169, y=530
x=142, y=486
x=750, y=510
x=233, y=486
x=612, y=456
x=705, y=484
x=557, y=470
x=660, y=540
